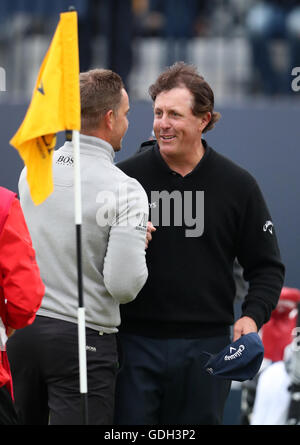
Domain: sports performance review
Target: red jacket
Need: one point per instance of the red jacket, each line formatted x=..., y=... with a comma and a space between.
x=21, y=287
x=278, y=332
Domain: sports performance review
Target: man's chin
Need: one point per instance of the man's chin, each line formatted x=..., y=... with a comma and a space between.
x=168, y=148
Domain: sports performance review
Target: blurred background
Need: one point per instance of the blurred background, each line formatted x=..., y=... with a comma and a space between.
x=247, y=50
x=244, y=48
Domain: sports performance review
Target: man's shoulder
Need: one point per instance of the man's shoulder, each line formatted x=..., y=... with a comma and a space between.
x=232, y=169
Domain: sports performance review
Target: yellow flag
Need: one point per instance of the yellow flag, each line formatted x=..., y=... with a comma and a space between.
x=54, y=107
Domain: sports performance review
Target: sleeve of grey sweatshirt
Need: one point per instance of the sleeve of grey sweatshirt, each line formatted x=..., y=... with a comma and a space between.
x=125, y=270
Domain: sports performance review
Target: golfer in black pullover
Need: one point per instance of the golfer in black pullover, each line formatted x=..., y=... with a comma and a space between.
x=207, y=212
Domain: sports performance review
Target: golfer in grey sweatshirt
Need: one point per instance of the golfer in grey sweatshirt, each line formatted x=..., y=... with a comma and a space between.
x=114, y=227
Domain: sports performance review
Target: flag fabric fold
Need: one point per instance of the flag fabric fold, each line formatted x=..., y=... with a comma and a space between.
x=54, y=107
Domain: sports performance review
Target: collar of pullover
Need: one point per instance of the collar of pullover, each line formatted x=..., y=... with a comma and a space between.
x=90, y=145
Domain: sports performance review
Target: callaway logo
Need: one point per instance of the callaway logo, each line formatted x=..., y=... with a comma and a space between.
x=268, y=226
x=153, y=205
x=237, y=354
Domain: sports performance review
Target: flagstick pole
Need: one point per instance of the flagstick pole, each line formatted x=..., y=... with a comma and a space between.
x=81, y=308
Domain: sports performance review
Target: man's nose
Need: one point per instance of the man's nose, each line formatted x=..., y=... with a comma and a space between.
x=165, y=122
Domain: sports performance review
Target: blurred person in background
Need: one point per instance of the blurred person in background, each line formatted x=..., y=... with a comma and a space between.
x=272, y=397
x=180, y=21
x=277, y=336
x=278, y=332
x=277, y=397
x=113, y=19
x=293, y=414
x=119, y=36
x=268, y=20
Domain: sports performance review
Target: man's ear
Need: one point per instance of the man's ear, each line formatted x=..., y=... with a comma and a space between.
x=108, y=118
x=205, y=121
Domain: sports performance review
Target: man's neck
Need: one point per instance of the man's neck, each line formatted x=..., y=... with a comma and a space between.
x=184, y=164
x=97, y=134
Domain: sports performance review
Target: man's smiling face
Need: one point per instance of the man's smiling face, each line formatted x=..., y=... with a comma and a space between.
x=176, y=128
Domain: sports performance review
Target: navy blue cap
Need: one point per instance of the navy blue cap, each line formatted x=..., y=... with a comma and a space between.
x=241, y=360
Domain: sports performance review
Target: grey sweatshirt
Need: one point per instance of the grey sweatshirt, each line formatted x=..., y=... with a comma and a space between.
x=114, y=219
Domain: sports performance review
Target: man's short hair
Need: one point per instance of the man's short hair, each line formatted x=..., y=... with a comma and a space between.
x=183, y=75
x=100, y=91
